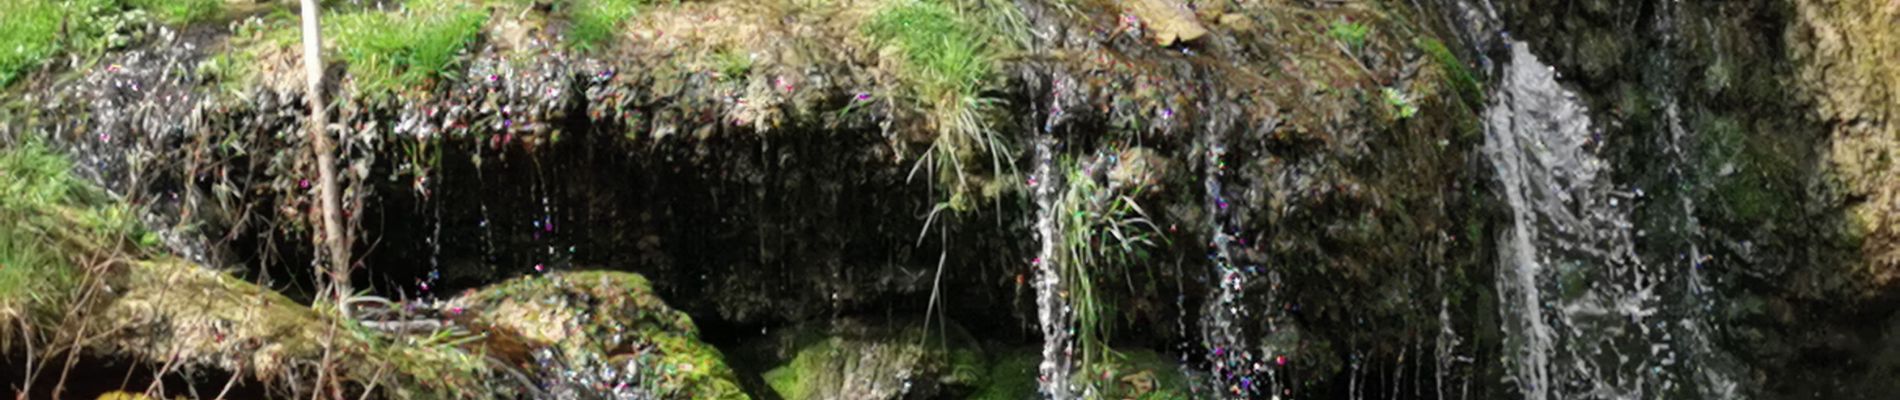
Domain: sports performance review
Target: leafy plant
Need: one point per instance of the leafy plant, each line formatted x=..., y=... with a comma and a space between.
x=1353, y=34
x=1399, y=103
x=389, y=52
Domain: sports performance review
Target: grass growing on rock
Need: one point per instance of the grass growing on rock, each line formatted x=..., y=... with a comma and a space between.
x=180, y=11
x=593, y=23
x=947, y=62
x=390, y=52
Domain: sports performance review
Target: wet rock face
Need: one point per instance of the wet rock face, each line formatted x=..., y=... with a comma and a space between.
x=1782, y=119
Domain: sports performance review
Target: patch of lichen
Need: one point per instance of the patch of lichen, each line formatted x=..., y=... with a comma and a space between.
x=611, y=314
x=1844, y=50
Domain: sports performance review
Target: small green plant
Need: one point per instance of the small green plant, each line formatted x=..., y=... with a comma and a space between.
x=180, y=11
x=389, y=52
x=732, y=64
x=593, y=23
x=1399, y=103
x=1353, y=34
x=947, y=62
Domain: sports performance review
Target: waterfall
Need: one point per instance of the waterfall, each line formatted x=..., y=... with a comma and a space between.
x=1583, y=315
x=1221, y=330
x=1052, y=313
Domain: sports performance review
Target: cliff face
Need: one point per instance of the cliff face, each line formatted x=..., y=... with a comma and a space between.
x=1788, y=113
x=773, y=162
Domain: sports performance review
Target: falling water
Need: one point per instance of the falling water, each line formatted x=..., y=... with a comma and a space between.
x=1584, y=316
x=1222, y=333
x=1052, y=312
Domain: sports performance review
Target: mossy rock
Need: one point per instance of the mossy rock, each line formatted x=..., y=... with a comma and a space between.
x=851, y=359
x=1012, y=376
x=602, y=322
x=1128, y=374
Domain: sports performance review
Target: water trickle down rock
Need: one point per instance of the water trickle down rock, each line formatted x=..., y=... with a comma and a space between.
x=1221, y=330
x=1584, y=317
x=1052, y=313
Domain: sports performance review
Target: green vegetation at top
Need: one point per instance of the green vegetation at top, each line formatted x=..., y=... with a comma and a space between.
x=180, y=11
x=593, y=23
x=389, y=52
x=947, y=62
x=32, y=31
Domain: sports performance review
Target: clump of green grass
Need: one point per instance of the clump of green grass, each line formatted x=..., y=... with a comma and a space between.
x=389, y=52
x=732, y=64
x=28, y=34
x=947, y=61
x=180, y=11
x=1353, y=34
x=593, y=23
x=1103, y=230
x=47, y=210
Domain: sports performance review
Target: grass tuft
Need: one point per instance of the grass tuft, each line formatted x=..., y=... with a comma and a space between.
x=44, y=206
x=947, y=62
x=1104, y=231
x=593, y=23
x=390, y=52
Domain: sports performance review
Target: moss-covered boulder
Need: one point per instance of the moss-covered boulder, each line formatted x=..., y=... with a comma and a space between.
x=605, y=333
x=855, y=359
x=1125, y=374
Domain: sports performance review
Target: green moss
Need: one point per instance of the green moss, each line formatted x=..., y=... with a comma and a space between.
x=848, y=359
x=593, y=23
x=180, y=11
x=595, y=312
x=1138, y=374
x=1467, y=85
x=389, y=52
x=1011, y=377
